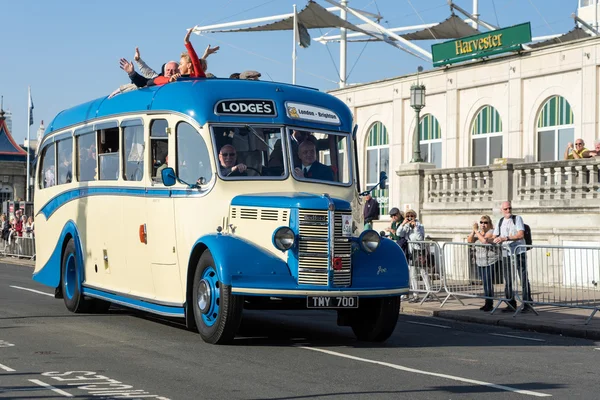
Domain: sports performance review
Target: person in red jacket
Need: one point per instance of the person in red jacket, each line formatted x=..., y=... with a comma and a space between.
x=189, y=64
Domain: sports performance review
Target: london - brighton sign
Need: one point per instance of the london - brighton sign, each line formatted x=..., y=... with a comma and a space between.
x=482, y=45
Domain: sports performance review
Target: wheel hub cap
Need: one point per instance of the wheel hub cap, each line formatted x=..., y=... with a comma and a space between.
x=204, y=296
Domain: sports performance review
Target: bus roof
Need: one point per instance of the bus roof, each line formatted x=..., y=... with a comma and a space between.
x=198, y=98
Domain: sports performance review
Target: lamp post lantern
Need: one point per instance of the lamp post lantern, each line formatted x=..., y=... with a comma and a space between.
x=417, y=101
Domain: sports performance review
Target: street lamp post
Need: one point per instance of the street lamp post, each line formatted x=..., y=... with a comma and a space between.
x=417, y=101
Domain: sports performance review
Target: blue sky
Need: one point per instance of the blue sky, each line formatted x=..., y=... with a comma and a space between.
x=68, y=50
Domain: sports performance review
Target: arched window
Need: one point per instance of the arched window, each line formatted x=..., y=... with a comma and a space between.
x=487, y=136
x=555, y=128
x=431, y=140
x=378, y=159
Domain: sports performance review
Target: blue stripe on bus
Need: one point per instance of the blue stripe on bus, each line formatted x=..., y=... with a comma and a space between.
x=72, y=194
x=135, y=303
x=49, y=274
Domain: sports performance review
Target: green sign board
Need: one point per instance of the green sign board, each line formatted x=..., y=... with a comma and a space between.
x=482, y=45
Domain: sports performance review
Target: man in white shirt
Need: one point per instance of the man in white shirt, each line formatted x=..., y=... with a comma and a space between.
x=510, y=231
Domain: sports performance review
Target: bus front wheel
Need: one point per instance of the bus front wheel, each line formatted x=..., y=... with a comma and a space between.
x=217, y=312
x=375, y=319
x=71, y=285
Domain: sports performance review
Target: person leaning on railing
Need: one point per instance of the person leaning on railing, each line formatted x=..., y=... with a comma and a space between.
x=486, y=257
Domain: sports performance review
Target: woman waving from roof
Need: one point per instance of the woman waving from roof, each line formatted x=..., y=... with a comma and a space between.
x=190, y=65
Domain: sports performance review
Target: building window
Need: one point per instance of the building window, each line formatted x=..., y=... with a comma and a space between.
x=431, y=140
x=555, y=129
x=487, y=137
x=378, y=159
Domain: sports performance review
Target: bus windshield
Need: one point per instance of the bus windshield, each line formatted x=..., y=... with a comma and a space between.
x=244, y=151
x=251, y=151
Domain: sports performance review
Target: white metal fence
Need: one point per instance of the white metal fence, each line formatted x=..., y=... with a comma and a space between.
x=562, y=276
x=20, y=247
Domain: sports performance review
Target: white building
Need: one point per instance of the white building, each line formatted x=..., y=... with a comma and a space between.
x=519, y=107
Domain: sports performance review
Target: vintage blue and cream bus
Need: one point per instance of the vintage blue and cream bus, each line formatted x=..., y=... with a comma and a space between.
x=203, y=197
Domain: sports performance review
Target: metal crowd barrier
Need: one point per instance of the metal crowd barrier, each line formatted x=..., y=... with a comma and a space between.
x=561, y=277
x=470, y=267
x=425, y=269
x=21, y=247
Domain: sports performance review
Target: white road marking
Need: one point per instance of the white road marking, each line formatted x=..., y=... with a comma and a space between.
x=54, y=389
x=7, y=369
x=597, y=348
x=4, y=343
x=434, y=325
x=32, y=290
x=418, y=371
x=518, y=337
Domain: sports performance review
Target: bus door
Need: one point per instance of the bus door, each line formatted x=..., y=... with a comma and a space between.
x=160, y=218
x=134, y=214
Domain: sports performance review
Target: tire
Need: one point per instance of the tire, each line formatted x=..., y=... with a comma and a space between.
x=217, y=312
x=376, y=319
x=71, y=280
x=71, y=273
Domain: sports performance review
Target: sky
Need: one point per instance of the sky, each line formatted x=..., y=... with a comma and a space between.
x=68, y=51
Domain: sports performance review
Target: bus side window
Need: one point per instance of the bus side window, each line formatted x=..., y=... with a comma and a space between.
x=47, y=170
x=133, y=159
x=159, y=145
x=65, y=161
x=193, y=159
x=86, y=155
x=108, y=154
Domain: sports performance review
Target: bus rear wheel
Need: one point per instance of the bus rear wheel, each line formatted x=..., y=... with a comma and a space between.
x=375, y=319
x=217, y=312
x=71, y=285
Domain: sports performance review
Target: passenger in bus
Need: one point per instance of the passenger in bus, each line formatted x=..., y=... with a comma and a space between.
x=311, y=168
x=88, y=167
x=145, y=71
x=227, y=160
x=235, y=75
x=189, y=64
x=49, y=177
x=163, y=166
x=276, y=157
x=250, y=75
x=169, y=72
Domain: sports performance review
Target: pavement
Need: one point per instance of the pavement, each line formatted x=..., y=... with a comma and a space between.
x=552, y=320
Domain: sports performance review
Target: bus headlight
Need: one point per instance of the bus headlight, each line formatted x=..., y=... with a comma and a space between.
x=283, y=238
x=369, y=241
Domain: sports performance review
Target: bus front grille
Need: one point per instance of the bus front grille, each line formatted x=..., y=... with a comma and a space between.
x=313, y=249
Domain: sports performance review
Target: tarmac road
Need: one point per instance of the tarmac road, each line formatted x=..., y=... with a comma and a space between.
x=47, y=352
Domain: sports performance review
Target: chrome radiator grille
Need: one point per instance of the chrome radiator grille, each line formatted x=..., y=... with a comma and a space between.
x=313, y=249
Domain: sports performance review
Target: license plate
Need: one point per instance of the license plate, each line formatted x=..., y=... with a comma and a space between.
x=332, y=301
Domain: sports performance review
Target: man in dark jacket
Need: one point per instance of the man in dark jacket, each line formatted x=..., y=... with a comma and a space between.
x=371, y=211
x=311, y=168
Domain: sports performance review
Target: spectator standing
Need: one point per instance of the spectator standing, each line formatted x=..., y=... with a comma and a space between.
x=371, y=211
x=510, y=232
x=412, y=230
x=596, y=151
x=578, y=152
x=486, y=257
x=397, y=218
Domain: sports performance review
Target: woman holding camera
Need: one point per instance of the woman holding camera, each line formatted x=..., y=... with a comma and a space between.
x=486, y=256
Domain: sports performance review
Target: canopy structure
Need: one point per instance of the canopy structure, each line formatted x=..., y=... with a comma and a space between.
x=574, y=34
x=451, y=28
x=311, y=17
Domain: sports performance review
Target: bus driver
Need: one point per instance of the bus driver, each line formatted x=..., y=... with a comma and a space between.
x=227, y=159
